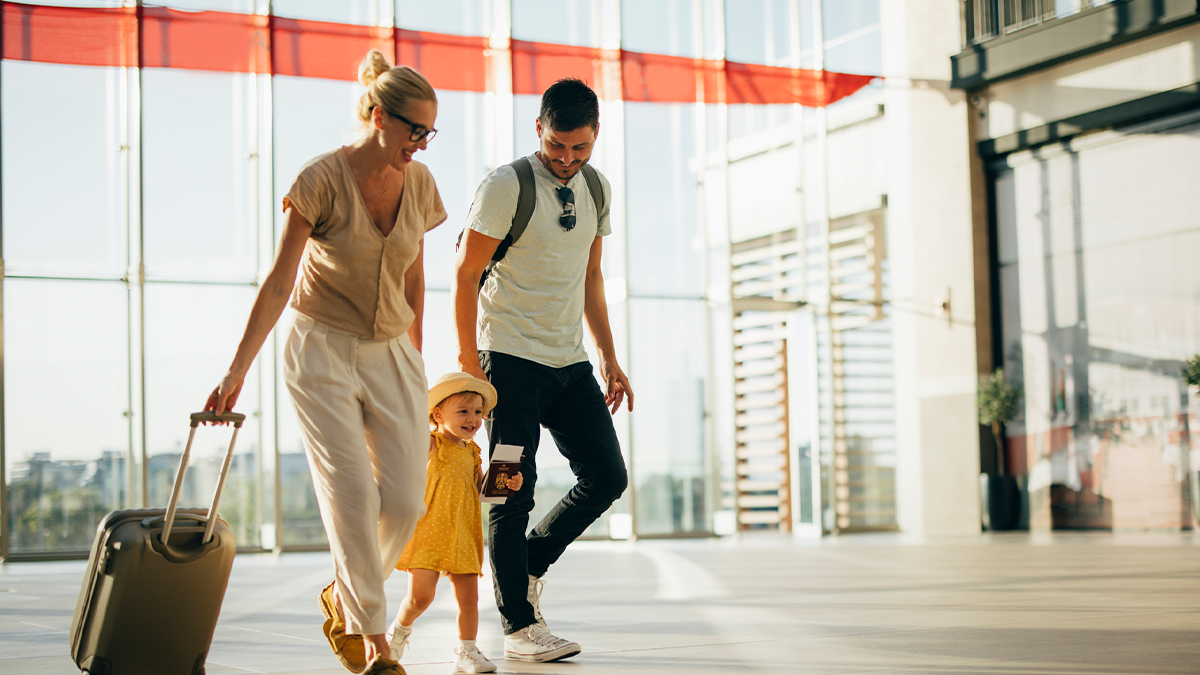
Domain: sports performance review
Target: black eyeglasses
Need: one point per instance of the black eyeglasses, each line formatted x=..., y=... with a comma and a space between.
x=567, y=218
x=418, y=132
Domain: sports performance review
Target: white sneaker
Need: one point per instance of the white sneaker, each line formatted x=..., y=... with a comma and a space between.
x=534, y=596
x=535, y=643
x=471, y=660
x=397, y=637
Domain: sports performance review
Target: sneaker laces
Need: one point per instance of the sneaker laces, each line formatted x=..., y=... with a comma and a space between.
x=535, y=597
x=542, y=637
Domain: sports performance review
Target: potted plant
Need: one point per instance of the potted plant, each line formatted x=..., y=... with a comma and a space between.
x=1191, y=375
x=999, y=404
x=1191, y=371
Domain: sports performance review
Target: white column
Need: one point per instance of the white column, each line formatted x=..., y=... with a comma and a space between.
x=498, y=101
x=931, y=258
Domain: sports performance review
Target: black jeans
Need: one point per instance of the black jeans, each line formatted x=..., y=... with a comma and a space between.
x=569, y=403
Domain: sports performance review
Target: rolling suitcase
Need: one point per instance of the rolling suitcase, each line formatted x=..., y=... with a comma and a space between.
x=155, y=582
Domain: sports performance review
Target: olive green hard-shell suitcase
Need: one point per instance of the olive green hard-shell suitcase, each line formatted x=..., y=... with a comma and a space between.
x=155, y=582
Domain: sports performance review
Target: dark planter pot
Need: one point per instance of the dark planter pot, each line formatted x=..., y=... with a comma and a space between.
x=1195, y=493
x=1000, y=501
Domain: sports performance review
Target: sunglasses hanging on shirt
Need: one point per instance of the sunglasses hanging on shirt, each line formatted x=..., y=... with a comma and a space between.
x=567, y=218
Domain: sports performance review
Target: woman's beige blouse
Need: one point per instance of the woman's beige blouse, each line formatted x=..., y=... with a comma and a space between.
x=352, y=277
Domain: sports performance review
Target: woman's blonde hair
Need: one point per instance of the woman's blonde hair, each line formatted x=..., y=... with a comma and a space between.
x=394, y=88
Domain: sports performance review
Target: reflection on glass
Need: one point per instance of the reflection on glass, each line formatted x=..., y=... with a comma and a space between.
x=1098, y=318
x=199, y=160
x=191, y=334
x=665, y=241
x=81, y=3
x=360, y=12
x=62, y=217
x=232, y=6
x=671, y=466
x=757, y=32
x=860, y=52
x=664, y=27
x=808, y=51
x=526, y=108
x=311, y=117
x=65, y=429
x=458, y=162
x=1067, y=7
x=768, y=122
x=556, y=22
x=300, y=514
x=453, y=17
x=847, y=18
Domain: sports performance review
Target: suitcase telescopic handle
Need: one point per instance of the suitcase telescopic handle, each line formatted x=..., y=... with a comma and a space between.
x=197, y=419
x=209, y=417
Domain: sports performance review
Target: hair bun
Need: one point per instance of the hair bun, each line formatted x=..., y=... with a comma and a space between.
x=371, y=67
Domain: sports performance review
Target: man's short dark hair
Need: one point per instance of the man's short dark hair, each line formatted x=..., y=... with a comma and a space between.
x=569, y=104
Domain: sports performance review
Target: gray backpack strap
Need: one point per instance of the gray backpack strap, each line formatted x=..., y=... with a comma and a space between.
x=597, y=190
x=526, y=201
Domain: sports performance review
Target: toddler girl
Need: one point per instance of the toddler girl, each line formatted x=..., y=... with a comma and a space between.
x=449, y=537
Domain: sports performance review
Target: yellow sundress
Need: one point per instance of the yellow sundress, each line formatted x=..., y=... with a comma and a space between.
x=449, y=537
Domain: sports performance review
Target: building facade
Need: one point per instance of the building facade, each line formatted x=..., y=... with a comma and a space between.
x=1084, y=129
x=139, y=218
x=830, y=218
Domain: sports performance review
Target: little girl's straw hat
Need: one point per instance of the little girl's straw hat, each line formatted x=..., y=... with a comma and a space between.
x=456, y=383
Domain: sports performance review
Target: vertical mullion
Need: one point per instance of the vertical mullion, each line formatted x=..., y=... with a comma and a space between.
x=140, y=248
x=607, y=36
x=264, y=231
x=822, y=115
x=125, y=93
x=499, y=102
x=269, y=136
x=795, y=41
x=4, y=507
x=712, y=462
x=266, y=366
x=722, y=109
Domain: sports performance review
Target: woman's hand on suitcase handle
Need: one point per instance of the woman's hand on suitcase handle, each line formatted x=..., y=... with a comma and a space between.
x=223, y=398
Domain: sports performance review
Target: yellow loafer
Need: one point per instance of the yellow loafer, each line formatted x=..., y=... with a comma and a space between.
x=348, y=648
x=382, y=665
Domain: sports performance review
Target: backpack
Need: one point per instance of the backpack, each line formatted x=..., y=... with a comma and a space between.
x=526, y=201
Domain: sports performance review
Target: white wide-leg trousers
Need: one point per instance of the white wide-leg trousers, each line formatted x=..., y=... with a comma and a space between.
x=362, y=407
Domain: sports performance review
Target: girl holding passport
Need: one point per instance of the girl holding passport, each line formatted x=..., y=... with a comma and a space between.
x=449, y=537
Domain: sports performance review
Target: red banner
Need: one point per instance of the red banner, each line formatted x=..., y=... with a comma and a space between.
x=249, y=43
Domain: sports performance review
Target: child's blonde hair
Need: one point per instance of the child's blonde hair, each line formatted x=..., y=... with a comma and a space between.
x=455, y=384
x=433, y=424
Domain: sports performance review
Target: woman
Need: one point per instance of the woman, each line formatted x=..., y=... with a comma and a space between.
x=356, y=218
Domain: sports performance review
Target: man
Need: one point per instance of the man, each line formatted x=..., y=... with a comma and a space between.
x=529, y=315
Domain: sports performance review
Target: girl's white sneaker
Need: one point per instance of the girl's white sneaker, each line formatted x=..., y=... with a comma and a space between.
x=471, y=660
x=397, y=637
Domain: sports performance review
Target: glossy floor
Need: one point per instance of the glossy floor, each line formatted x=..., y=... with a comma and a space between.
x=988, y=605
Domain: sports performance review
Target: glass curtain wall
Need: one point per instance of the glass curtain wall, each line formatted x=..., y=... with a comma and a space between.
x=68, y=399
x=129, y=270
x=672, y=468
x=826, y=171
x=1098, y=299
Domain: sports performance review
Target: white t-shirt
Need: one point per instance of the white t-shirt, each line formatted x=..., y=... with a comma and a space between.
x=531, y=305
